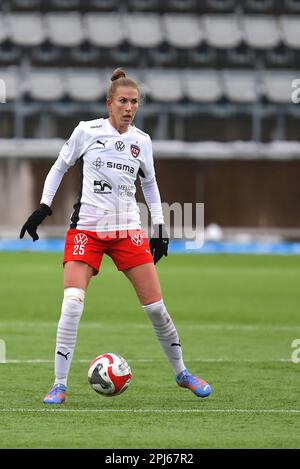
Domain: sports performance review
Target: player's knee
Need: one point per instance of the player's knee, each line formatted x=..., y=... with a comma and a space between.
x=73, y=304
x=74, y=294
x=156, y=310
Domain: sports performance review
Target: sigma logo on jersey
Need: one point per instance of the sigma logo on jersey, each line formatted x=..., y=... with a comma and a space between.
x=135, y=150
x=98, y=163
x=102, y=187
x=119, y=146
x=137, y=239
x=120, y=166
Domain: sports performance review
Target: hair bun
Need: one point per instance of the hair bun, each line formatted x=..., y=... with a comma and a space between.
x=118, y=73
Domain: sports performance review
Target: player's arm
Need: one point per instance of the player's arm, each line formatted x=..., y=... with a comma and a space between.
x=51, y=185
x=159, y=241
x=68, y=155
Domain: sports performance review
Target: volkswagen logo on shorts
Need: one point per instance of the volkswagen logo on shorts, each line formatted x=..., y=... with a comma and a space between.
x=81, y=239
x=137, y=239
x=119, y=146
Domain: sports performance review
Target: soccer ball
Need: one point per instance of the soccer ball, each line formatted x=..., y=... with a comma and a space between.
x=109, y=374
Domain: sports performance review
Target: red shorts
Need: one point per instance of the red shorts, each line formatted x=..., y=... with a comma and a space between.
x=126, y=248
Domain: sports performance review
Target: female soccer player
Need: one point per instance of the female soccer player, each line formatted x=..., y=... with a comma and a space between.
x=112, y=152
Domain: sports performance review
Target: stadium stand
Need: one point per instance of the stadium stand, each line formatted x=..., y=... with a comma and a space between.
x=64, y=30
x=222, y=31
x=240, y=86
x=103, y=30
x=45, y=85
x=10, y=78
x=182, y=31
x=262, y=32
x=290, y=31
x=85, y=85
x=144, y=5
x=221, y=57
x=164, y=85
x=143, y=30
x=220, y=85
x=259, y=6
x=277, y=85
x=203, y=86
x=3, y=29
x=26, y=29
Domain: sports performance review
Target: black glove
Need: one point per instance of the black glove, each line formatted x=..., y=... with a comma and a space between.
x=35, y=220
x=159, y=242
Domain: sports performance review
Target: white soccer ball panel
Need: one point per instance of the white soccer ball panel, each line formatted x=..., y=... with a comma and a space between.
x=109, y=374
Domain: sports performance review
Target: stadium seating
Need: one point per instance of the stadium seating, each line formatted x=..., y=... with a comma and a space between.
x=261, y=32
x=222, y=31
x=292, y=5
x=240, y=86
x=164, y=85
x=221, y=5
x=25, y=4
x=207, y=38
x=259, y=6
x=143, y=30
x=277, y=86
x=182, y=5
x=45, y=85
x=214, y=54
x=104, y=4
x=103, y=30
x=65, y=4
x=10, y=78
x=182, y=31
x=203, y=86
x=64, y=30
x=3, y=29
x=290, y=31
x=26, y=29
x=85, y=85
x=142, y=5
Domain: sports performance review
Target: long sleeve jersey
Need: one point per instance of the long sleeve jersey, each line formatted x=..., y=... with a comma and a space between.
x=110, y=164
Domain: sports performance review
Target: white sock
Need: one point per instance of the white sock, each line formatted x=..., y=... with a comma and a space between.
x=166, y=333
x=71, y=311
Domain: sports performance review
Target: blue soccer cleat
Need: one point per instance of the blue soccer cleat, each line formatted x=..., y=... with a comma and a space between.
x=57, y=395
x=197, y=385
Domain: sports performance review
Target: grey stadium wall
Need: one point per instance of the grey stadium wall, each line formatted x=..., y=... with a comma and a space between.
x=259, y=193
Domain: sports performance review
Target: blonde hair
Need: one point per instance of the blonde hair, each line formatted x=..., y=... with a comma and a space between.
x=119, y=78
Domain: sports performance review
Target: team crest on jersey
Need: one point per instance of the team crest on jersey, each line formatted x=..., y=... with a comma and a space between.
x=135, y=150
x=137, y=239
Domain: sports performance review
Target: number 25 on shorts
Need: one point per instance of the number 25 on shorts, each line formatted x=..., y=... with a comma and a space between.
x=78, y=249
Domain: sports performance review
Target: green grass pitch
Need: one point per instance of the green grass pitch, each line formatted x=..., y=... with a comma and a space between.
x=237, y=317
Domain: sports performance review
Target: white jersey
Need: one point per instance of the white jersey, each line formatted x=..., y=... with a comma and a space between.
x=110, y=164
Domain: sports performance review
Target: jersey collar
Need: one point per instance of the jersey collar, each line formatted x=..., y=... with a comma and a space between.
x=115, y=131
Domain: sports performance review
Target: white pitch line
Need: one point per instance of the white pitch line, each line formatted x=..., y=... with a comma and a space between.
x=222, y=327
x=154, y=411
x=155, y=360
